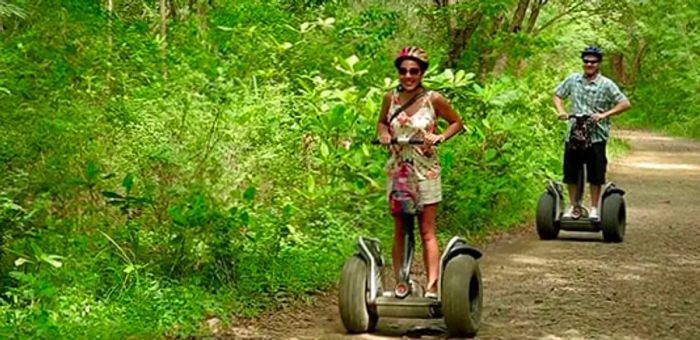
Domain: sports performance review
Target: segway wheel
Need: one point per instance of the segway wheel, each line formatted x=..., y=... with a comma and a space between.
x=353, y=297
x=461, y=296
x=614, y=218
x=547, y=228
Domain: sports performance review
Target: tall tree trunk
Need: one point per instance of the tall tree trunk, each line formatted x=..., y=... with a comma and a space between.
x=202, y=14
x=110, y=9
x=534, y=14
x=174, y=11
x=618, y=66
x=163, y=36
x=442, y=3
x=487, y=55
x=516, y=25
x=460, y=29
x=637, y=63
x=517, y=22
x=200, y=7
x=461, y=36
x=535, y=9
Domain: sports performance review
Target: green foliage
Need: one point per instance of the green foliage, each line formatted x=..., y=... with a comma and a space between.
x=150, y=182
x=659, y=44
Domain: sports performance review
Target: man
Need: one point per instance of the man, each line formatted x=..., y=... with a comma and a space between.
x=596, y=96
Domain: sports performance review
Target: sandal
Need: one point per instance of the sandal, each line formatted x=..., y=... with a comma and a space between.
x=576, y=214
x=431, y=295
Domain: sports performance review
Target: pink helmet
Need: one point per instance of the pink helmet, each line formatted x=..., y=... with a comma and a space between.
x=414, y=53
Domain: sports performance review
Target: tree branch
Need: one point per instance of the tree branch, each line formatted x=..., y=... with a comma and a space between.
x=571, y=10
x=519, y=15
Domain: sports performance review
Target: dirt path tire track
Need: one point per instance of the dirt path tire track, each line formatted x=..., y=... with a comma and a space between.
x=576, y=287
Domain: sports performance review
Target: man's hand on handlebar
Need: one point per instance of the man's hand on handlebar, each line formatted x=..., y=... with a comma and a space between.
x=563, y=116
x=596, y=117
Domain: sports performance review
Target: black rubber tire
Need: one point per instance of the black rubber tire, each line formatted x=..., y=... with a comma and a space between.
x=352, y=299
x=461, y=296
x=547, y=229
x=614, y=218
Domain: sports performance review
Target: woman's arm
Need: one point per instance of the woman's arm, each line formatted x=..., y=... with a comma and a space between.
x=382, y=124
x=444, y=109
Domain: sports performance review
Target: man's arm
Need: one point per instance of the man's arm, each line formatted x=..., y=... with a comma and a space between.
x=559, y=104
x=560, y=93
x=623, y=104
x=619, y=108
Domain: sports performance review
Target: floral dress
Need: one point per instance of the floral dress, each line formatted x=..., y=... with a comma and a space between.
x=424, y=159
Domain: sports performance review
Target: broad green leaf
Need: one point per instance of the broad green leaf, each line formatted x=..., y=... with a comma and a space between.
x=352, y=60
x=53, y=260
x=288, y=210
x=325, y=151
x=336, y=116
x=128, y=182
x=249, y=194
x=490, y=155
x=245, y=218
x=448, y=74
x=92, y=170
x=310, y=183
x=365, y=150
x=111, y=194
x=20, y=261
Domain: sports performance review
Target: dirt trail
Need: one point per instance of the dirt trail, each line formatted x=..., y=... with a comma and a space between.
x=576, y=287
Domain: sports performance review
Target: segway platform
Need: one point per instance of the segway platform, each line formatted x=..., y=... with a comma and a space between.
x=611, y=206
x=362, y=299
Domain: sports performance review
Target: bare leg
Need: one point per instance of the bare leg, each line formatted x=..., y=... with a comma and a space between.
x=397, y=249
x=595, y=194
x=431, y=252
x=572, y=193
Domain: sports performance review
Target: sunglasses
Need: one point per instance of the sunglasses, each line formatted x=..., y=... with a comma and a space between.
x=412, y=71
x=590, y=62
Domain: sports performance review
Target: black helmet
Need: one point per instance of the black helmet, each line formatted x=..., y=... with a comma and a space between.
x=593, y=50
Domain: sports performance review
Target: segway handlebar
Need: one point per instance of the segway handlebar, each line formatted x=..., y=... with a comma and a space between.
x=401, y=141
x=579, y=116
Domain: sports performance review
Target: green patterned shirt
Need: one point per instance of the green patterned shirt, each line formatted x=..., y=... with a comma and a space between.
x=597, y=96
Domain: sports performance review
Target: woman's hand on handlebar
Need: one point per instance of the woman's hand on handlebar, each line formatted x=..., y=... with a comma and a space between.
x=432, y=139
x=385, y=138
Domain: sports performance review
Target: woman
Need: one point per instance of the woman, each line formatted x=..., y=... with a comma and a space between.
x=417, y=120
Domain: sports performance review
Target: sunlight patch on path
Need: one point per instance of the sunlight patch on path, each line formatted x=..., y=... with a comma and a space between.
x=663, y=166
x=573, y=334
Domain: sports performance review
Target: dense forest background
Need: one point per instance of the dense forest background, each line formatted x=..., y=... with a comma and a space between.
x=167, y=161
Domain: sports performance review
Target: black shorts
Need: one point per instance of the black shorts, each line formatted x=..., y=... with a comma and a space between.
x=594, y=158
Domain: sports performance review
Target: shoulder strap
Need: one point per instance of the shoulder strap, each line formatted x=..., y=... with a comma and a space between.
x=407, y=104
